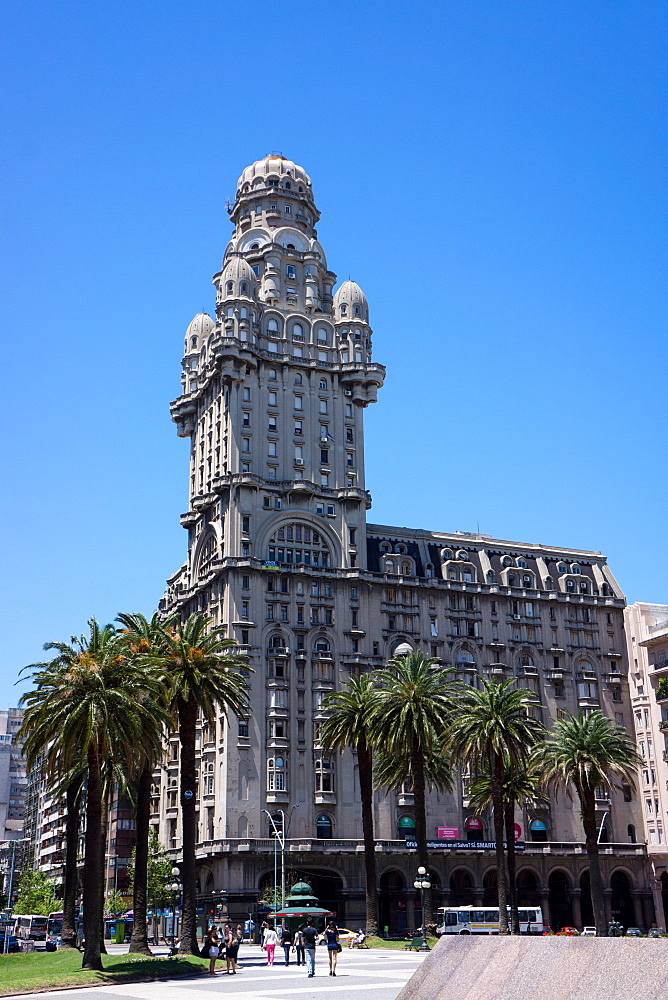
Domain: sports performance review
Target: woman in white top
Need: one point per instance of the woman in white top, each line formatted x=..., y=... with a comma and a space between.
x=270, y=942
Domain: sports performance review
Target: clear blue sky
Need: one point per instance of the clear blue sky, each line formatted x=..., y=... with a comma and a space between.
x=492, y=174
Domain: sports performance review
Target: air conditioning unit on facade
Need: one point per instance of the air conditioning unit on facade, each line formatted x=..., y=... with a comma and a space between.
x=518, y=618
x=299, y=461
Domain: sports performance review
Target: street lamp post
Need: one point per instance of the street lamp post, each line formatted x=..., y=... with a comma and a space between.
x=174, y=887
x=280, y=837
x=422, y=882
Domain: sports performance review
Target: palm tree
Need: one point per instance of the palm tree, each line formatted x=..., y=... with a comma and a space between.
x=42, y=748
x=490, y=732
x=98, y=710
x=520, y=784
x=202, y=675
x=586, y=753
x=144, y=641
x=409, y=719
x=348, y=725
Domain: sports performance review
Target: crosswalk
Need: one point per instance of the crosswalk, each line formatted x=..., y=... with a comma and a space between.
x=373, y=975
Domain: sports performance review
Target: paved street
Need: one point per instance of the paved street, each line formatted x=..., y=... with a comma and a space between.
x=371, y=975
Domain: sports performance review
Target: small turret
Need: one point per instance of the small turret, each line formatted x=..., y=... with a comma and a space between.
x=350, y=304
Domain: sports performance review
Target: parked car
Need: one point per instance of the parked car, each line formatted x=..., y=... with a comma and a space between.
x=656, y=932
x=589, y=932
x=345, y=936
x=633, y=932
x=568, y=932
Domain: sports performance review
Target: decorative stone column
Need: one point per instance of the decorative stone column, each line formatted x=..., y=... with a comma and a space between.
x=575, y=895
x=409, y=896
x=544, y=900
x=638, y=915
x=478, y=893
x=607, y=899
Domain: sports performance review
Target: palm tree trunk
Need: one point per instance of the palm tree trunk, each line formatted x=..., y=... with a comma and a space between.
x=497, y=772
x=365, y=771
x=588, y=803
x=509, y=813
x=103, y=862
x=187, y=726
x=139, y=939
x=92, y=877
x=417, y=767
x=71, y=876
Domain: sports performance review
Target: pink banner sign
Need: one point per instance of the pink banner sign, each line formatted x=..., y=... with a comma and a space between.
x=448, y=833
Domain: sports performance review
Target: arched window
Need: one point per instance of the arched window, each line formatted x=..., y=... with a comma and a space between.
x=299, y=543
x=287, y=186
x=276, y=779
x=323, y=383
x=272, y=326
x=322, y=646
x=522, y=563
x=230, y=286
x=344, y=309
x=538, y=830
x=298, y=331
x=357, y=310
x=490, y=576
x=526, y=661
x=406, y=827
x=244, y=286
x=276, y=641
x=429, y=570
x=446, y=554
x=193, y=341
x=561, y=568
x=254, y=246
x=466, y=658
x=323, y=828
x=576, y=569
x=474, y=829
x=298, y=378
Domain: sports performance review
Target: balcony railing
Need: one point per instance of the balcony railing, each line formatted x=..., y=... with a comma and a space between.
x=305, y=845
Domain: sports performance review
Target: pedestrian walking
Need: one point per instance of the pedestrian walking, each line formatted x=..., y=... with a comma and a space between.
x=333, y=946
x=286, y=941
x=310, y=936
x=299, y=945
x=238, y=939
x=270, y=942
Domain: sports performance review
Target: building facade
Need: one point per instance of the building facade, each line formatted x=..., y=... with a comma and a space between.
x=13, y=778
x=647, y=639
x=274, y=389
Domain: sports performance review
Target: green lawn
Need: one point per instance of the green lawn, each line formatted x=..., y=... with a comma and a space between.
x=377, y=942
x=39, y=970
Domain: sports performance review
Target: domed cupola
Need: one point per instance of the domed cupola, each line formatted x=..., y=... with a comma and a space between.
x=237, y=280
x=197, y=332
x=350, y=304
x=275, y=168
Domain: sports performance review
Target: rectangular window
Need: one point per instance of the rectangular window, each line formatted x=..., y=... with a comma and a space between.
x=245, y=444
x=272, y=424
x=243, y=727
x=246, y=395
x=353, y=593
x=300, y=614
x=270, y=612
x=272, y=399
x=349, y=409
x=323, y=406
x=330, y=510
x=299, y=402
x=246, y=419
x=245, y=582
x=299, y=453
x=244, y=609
x=245, y=524
x=324, y=479
x=272, y=449
x=433, y=626
x=290, y=269
x=324, y=456
x=298, y=427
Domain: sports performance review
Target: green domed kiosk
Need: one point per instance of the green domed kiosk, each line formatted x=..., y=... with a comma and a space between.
x=302, y=904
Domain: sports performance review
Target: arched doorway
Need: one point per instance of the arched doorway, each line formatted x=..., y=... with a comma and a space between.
x=327, y=886
x=392, y=901
x=538, y=830
x=561, y=912
x=461, y=888
x=490, y=896
x=586, y=908
x=621, y=902
x=527, y=888
x=474, y=829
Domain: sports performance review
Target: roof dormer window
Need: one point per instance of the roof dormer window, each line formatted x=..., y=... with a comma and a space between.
x=344, y=309
x=230, y=286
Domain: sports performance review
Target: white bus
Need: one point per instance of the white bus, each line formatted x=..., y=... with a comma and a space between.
x=30, y=927
x=470, y=920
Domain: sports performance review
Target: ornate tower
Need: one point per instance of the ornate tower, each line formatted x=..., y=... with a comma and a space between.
x=273, y=396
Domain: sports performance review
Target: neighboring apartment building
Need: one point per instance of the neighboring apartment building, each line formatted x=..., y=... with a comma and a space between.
x=647, y=640
x=13, y=778
x=274, y=391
